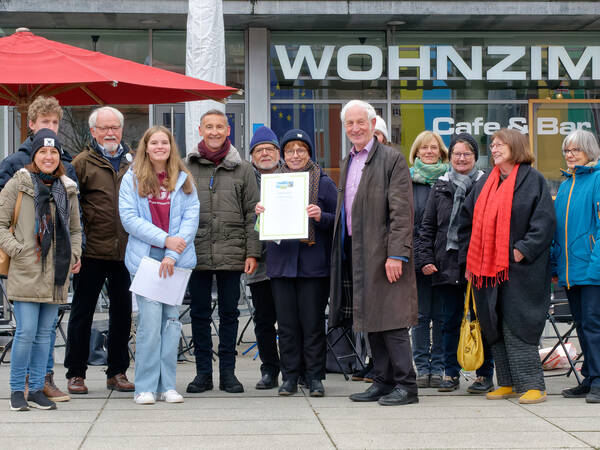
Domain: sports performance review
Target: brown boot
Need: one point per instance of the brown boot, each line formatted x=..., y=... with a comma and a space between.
x=76, y=385
x=120, y=383
x=52, y=392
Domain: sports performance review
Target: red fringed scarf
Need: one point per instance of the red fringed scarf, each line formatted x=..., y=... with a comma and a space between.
x=488, y=255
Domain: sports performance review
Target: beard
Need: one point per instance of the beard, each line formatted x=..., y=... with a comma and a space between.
x=111, y=146
x=267, y=165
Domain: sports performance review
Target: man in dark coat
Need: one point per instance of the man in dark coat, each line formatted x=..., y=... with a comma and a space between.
x=372, y=272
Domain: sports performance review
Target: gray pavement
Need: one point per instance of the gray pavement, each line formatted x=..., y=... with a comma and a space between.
x=260, y=419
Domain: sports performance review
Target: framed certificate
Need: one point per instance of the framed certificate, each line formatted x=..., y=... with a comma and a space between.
x=285, y=199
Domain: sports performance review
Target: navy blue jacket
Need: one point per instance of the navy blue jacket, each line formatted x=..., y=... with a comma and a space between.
x=22, y=157
x=295, y=259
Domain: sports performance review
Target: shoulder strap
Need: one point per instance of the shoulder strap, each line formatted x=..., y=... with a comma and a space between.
x=17, y=210
x=468, y=297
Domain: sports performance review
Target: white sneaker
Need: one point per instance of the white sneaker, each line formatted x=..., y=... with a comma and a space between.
x=171, y=396
x=145, y=398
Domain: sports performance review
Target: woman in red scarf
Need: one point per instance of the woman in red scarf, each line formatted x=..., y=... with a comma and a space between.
x=507, y=225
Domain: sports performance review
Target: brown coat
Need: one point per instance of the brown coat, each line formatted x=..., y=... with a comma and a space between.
x=26, y=281
x=382, y=226
x=105, y=237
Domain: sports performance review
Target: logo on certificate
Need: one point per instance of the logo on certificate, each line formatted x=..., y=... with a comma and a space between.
x=284, y=184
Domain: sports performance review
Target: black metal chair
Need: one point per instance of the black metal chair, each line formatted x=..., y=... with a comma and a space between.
x=7, y=322
x=343, y=336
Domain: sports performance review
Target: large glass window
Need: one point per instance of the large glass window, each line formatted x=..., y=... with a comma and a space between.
x=168, y=52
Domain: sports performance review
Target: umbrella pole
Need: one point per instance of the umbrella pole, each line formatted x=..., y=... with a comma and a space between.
x=23, y=112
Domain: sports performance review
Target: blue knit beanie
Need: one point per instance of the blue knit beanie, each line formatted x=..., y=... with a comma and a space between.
x=263, y=135
x=297, y=135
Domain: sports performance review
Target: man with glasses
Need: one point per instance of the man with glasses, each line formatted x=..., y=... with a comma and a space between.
x=100, y=168
x=264, y=150
x=226, y=245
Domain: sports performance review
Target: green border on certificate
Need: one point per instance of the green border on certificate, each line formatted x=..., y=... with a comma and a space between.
x=285, y=199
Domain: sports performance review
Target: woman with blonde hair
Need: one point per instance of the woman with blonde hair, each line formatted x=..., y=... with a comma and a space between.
x=159, y=208
x=429, y=157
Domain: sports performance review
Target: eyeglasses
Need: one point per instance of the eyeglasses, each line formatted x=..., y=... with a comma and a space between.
x=297, y=151
x=265, y=150
x=494, y=145
x=463, y=155
x=105, y=129
x=572, y=151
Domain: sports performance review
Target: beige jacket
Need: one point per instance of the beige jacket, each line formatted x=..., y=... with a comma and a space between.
x=26, y=281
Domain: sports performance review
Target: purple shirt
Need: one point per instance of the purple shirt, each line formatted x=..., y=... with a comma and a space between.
x=355, y=168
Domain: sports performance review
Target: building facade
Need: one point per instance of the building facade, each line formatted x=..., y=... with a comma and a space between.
x=447, y=66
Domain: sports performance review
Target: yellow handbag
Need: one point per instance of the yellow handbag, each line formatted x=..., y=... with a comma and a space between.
x=4, y=258
x=470, y=344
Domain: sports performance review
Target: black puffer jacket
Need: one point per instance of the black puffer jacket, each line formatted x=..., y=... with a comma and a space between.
x=430, y=245
x=420, y=196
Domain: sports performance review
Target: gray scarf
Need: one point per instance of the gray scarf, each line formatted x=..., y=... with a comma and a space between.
x=463, y=184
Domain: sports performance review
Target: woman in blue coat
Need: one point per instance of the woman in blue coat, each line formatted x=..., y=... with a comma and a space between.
x=575, y=254
x=299, y=272
x=159, y=209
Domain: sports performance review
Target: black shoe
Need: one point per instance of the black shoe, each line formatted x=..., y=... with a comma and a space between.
x=435, y=380
x=316, y=388
x=359, y=375
x=423, y=380
x=481, y=385
x=372, y=394
x=268, y=381
x=594, y=395
x=449, y=384
x=202, y=382
x=228, y=382
x=576, y=392
x=398, y=397
x=288, y=387
x=18, y=402
x=38, y=400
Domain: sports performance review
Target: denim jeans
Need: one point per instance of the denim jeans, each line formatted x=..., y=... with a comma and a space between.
x=585, y=309
x=453, y=299
x=157, y=337
x=228, y=291
x=31, y=344
x=50, y=366
x=428, y=351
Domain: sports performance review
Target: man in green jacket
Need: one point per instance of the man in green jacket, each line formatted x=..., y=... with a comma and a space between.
x=226, y=244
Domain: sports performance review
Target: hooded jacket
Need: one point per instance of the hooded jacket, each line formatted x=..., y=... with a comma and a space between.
x=575, y=252
x=228, y=194
x=22, y=157
x=26, y=282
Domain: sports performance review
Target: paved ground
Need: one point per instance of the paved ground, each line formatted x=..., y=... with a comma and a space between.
x=260, y=419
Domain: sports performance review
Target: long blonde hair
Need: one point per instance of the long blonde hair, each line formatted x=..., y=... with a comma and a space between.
x=147, y=181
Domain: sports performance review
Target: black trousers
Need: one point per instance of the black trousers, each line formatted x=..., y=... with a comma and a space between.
x=94, y=272
x=228, y=296
x=300, y=304
x=392, y=360
x=264, y=326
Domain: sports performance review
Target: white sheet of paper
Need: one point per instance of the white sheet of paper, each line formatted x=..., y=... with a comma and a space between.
x=285, y=198
x=168, y=290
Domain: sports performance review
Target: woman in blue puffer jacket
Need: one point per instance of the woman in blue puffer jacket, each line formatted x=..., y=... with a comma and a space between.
x=159, y=209
x=575, y=254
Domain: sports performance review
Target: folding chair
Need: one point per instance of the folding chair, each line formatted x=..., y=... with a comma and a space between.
x=186, y=344
x=246, y=297
x=345, y=335
x=7, y=322
x=560, y=312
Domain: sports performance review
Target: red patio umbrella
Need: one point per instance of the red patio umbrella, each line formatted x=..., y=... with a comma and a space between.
x=32, y=65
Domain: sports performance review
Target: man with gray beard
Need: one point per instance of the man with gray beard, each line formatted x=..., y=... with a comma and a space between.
x=100, y=168
x=264, y=149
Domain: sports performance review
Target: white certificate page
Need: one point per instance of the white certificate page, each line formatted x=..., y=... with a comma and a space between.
x=168, y=290
x=285, y=199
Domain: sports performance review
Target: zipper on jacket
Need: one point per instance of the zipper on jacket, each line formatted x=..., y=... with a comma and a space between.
x=211, y=182
x=567, y=234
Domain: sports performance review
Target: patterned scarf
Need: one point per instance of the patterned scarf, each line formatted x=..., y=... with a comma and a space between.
x=427, y=173
x=214, y=157
x=45, y=229
x=488, y=255
x=314, y=175
x=463, y=184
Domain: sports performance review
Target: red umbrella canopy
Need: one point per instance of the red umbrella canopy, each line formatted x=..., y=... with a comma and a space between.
x=32, y=65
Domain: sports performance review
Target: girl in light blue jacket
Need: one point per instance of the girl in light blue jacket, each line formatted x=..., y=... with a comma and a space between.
x=159, y=208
